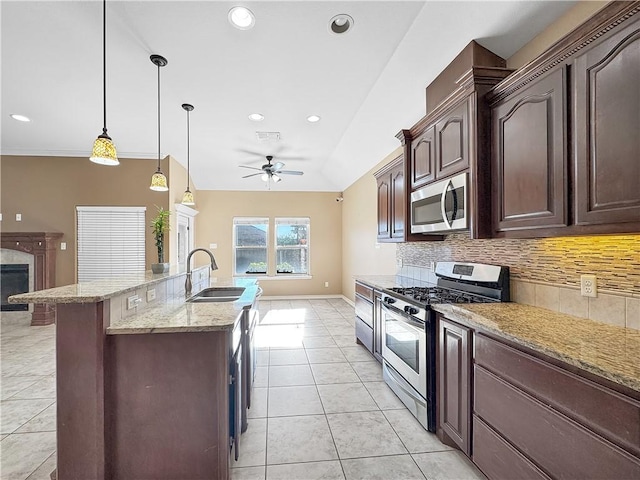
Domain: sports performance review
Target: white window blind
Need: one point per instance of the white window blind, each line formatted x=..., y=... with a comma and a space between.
x=111, y=242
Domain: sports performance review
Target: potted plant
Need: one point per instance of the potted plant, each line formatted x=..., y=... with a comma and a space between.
x=160, y=225
x=257, y=267
x=284, y=268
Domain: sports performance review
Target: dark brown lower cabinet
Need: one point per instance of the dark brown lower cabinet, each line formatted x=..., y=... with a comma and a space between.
x=532, y=419
x=454, y=368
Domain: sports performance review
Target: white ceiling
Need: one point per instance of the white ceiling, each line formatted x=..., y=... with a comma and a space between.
x=366, y=84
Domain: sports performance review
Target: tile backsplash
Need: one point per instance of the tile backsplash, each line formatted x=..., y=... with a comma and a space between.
x=546, y=272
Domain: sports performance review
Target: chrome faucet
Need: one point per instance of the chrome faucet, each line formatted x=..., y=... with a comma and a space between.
x=187, y=282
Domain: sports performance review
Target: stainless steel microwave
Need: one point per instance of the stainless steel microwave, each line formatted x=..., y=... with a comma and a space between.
x=440, y=207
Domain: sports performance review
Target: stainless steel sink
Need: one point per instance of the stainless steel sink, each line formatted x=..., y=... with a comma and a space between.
x=218, y=294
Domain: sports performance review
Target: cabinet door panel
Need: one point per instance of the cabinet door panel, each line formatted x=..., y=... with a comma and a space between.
x=607, y=126
x=452, y=141
x=397, y=202
x=422, y=162
x=529, y=157
x=454, y=368
x=384, y=200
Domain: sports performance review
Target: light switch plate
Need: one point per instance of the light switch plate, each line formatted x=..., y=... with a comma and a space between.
x=213, y=246
x=18, y=217
x=0, y=217
x=133, y=301
x=63, y=245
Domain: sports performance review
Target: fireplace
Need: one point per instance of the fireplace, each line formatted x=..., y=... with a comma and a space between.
x=14, y=279
x=38, y=250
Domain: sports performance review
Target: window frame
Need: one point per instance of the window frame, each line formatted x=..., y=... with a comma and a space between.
x=250, y=221
x=306, y=246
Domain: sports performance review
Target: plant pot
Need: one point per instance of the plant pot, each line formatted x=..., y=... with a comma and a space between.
x=159, y=267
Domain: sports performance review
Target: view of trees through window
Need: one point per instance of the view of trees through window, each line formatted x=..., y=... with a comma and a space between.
x=292, y=249
x=251, y=246
x=251, y=237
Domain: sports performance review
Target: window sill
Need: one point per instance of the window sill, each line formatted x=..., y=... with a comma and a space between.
x=284, y=276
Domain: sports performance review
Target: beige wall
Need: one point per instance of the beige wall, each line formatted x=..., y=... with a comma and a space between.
x=46, y=190
x=361, y=253
x=214, y=224
x=554, y=32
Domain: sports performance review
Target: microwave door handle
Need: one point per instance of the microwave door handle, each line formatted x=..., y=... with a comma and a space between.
x=443, y=200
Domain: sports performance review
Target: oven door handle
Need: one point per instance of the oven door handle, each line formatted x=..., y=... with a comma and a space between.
x=403, y=317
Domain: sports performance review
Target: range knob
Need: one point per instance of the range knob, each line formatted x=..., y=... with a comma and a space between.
x=410, y=310
x=389, y=300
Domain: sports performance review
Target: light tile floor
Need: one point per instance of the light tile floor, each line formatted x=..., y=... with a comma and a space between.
x=320, y=411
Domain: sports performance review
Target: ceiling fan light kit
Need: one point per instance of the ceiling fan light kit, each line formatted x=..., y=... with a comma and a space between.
x=158, y=179
x=187, y=198
x=271, y=172
x=104, y=151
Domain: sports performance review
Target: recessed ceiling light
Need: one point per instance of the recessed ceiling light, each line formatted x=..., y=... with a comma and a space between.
x=20, y=118
x=256, y=117
x=313, y=118
x=242, y=18
x=340, y=24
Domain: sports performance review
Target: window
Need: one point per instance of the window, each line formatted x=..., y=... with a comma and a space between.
x=250, y=245
x=111, y=242
x=292, y=246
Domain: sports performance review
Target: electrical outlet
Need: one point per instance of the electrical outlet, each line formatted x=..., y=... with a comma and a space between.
x=18, y=217
x=133, y=301
x=588, y=286
x=326, y=284
x=399, y=262
x=432, y=266
x=63, y=245
x=151, y=295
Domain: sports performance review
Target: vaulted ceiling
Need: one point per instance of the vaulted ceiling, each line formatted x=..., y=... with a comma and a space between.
x=366, y=84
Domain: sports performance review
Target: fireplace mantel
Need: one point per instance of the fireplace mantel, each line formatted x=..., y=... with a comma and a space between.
x=42, y=245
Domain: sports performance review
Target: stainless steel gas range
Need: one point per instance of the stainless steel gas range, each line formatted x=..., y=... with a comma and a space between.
x=409, y=330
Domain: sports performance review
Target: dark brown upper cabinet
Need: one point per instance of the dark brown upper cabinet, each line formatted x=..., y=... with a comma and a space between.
x=422, y=159
x=452, y=141
x=565, y=141
x=529, y=144
x=606, y=128
x=391, y=201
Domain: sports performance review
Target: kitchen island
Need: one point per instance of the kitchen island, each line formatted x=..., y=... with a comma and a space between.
x=143, y=377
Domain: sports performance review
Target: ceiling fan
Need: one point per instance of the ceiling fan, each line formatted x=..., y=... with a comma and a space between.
x=271, y=172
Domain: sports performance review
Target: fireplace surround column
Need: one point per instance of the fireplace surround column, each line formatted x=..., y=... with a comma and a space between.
x=42, y=245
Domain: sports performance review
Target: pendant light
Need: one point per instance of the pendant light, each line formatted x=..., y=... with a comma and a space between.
x=104, y=151
x=187, y=198
x=158, y=180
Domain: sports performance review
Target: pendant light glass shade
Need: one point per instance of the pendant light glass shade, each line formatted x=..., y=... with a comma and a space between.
x=187, y=198
x=104, y=151
x=158, y=180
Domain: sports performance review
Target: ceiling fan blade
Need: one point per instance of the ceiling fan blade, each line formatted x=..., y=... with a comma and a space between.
x=247, y=166
x=252, y=175
x=290, y=172
x=277, y=166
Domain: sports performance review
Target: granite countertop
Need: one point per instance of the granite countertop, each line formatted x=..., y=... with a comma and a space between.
x=385, y=282
x=97, y=290
x=605, y=350
x=177, y=315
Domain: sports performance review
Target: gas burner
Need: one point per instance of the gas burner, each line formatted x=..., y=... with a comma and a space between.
x=432, y=295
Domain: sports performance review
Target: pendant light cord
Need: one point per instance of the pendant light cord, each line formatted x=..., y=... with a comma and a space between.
x=188, y=152
x=104, y=65
x=158, y=117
